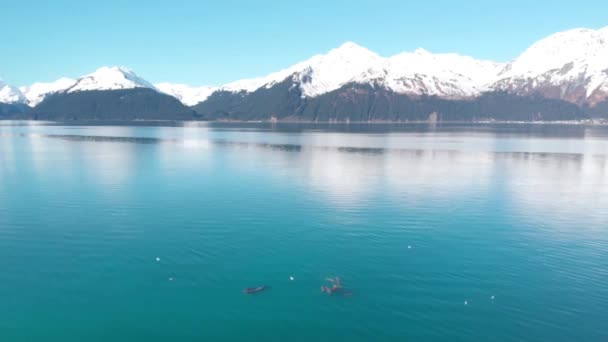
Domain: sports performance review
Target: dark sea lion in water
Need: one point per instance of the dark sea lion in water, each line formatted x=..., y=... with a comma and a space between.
x=252, y=290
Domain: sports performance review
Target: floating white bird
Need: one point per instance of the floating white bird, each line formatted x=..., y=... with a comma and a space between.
x=170, y=279
x=291, y=278
x=157, y=259
x=409, y=247
x=466, y=302
x=492, y=297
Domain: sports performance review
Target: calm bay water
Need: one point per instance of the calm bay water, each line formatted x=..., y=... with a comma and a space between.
x=416, y=220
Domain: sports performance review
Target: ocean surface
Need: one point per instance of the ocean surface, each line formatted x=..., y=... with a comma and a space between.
x=150, y=232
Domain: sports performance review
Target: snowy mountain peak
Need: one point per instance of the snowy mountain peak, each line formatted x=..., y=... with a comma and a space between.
x=419, y=72
x=319, y=74
x=349, y=46
x=570, y=65
x=577, y=45
x=324, y=73
x=10, y=94
x=350, y=49
x=420, y=51
x=424, y=73
x=110, y=78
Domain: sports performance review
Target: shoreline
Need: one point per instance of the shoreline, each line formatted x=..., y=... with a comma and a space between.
x=586, y=122
x=595, y=123
x=374, y=122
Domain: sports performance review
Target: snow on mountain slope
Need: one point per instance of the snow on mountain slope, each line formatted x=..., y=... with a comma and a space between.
x=320, y=74
x=423, y=73
x=571, y=65
x=36, y=93
x=420, y=72
x=10, y=94
x=186, y=94
x=110, y=78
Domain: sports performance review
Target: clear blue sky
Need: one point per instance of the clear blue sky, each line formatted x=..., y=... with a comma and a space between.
x=214, y=42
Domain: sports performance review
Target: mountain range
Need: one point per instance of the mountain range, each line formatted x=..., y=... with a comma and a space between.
x=561, y=77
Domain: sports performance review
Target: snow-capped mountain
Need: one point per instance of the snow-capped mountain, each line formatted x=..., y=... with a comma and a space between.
x=320, y=74
x=570, y=65
x=423, y=73
x=105, y=78
x=418, y=73
x=186, y=94
x=109, y=78
x=10, y=94
x=35, y=93
x=111, y=93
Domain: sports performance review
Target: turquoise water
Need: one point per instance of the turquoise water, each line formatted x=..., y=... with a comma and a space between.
x=515, y=212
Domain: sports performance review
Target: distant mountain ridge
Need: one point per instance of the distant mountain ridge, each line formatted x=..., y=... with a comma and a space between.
x=366, y=103
x=417, y=73
x=569, y=66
